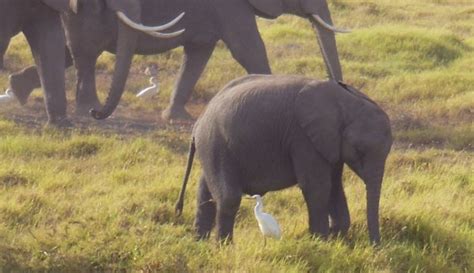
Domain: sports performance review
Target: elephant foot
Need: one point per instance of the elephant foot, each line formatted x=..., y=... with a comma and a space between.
x=202, y=236
x=175, y=113
x=23, y=83
x=337, y=232
x=82, y=109
x=59, y=123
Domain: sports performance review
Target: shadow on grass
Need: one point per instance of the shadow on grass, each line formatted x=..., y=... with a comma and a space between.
x=417, y=242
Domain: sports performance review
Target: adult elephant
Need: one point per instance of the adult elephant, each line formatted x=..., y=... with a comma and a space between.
x=94, y=30
x=3, y=48
x=40, y=23
x=264, y=133
x=43, y=29
x=206, y=22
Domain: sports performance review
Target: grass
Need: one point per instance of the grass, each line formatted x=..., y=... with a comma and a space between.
x=101, y=197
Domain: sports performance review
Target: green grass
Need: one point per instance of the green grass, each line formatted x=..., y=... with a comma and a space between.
x=101, y=197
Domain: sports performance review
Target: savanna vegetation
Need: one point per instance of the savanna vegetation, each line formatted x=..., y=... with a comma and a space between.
x=100, y=197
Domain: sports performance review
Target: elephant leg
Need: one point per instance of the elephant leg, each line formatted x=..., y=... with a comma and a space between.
x=338, y=210
x=317, y=201
x=206, y=211
x=247, y=47
x=3, y=50
x=47, y=43
x=227, y=208
x=22, y=83
x=313, y=175
x=86, y=94
x=195, y=60
x=224, y=185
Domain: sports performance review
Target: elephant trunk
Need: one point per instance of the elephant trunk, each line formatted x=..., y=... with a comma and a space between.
x=320, y=17
x=373, y=186
x=126, y=44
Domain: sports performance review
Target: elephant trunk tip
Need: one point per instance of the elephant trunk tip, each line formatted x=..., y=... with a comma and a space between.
x=98, y=115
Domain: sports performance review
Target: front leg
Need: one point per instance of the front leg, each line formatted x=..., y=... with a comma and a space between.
x=47, y=43
x=195, y=60
x=313, y=175
x=246, y=45
x=86, y=94
x=338, y=210
x=3, y=50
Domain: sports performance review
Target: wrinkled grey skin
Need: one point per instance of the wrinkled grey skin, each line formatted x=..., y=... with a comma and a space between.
x=265, y=133
x=3, y=48
x=94, y=30
x=40, y=23
x=92, y=17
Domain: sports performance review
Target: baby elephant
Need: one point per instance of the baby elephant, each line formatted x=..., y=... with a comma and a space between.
x=265, y=133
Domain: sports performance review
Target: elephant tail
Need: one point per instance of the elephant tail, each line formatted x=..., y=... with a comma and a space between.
x=180, y=203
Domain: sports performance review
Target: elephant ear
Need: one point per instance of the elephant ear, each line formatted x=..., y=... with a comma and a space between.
x=269, y=8
x=319, y=115
x=58, y=5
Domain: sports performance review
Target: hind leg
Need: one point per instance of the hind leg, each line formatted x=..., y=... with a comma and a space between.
x=206, y=211
x=227, y=209
x=224, y=185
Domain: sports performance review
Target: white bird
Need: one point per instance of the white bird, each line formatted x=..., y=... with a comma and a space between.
x=154, y=88
x=9, y=96
x=267, y=224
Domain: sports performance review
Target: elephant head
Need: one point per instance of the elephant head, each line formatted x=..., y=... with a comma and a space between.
x=346, y=126
x=317, y=11
x=128, y=13
x=59, y=5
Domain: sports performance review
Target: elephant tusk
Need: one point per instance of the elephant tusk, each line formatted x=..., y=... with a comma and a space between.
x=165, y=35
x=143, y=28
x=328, y=26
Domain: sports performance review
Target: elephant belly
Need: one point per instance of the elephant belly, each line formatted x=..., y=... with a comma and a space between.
x=264, y=174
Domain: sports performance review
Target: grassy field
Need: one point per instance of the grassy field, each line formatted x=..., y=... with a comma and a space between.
x=101, y=197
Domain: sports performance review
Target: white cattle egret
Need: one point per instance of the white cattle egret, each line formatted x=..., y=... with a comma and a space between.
x=154, y=88
x=9, y=96
x=151, y=90
x=267, y=224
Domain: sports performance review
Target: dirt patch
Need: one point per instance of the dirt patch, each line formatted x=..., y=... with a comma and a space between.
x=12, y=179
x=124, y=122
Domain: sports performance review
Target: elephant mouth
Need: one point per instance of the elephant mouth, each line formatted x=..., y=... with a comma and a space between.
x=153, y=31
